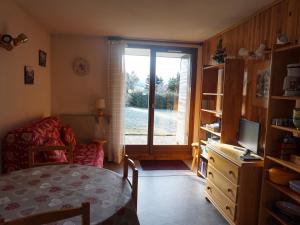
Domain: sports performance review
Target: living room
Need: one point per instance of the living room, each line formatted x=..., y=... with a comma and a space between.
x=199, y=98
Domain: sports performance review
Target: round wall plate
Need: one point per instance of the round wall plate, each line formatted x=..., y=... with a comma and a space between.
x=81, y=67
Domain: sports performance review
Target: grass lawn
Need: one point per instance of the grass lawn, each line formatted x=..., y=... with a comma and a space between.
x=136, y=122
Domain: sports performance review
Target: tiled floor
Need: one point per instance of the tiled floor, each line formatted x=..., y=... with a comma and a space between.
x=172, y=198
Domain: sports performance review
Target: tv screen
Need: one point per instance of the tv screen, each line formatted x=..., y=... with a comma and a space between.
x=249, y=135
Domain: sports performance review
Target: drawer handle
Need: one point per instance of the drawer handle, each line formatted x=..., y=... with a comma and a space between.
x=231, y=172
x=212, y=159
x=229, y=190
x=208, y=188
x=228, y=208
x=210, y=173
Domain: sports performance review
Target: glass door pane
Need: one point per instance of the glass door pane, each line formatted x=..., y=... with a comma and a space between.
x=172, y=98
x=137, y=68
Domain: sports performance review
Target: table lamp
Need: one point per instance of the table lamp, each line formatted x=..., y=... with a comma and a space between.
x=100, y=106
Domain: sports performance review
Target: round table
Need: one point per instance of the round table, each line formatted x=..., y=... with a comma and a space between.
x=48, y=188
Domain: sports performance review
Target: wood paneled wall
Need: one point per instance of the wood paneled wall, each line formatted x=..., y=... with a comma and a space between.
x=263, y=27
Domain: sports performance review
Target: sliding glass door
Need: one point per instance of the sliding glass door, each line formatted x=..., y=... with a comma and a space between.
x=159, y=96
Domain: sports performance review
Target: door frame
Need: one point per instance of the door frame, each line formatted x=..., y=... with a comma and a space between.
x=151, y=151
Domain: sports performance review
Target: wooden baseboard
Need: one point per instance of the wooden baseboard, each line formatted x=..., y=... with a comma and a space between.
x=184, y=155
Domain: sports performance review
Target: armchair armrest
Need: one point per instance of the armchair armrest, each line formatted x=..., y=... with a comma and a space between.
x=134, y=184
x=35, y=149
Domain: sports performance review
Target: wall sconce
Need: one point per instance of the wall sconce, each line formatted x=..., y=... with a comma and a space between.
x=8, y=42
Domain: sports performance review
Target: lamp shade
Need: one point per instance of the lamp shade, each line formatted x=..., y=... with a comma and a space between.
x=100, y=103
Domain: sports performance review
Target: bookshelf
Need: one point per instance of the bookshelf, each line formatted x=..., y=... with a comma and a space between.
x=221, y=101
x=279, y=106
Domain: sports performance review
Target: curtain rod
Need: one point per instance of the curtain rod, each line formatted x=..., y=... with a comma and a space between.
x=154, y=42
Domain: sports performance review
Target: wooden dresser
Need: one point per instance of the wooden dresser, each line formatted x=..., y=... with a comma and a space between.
x=233, y=186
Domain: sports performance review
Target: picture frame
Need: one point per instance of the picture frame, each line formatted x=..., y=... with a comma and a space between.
x=42, y=58
x=261, y=83
x=28, y=75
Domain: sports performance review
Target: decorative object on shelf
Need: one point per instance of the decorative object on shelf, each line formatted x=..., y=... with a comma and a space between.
x=282, y=39
x=42, y=58
x=243, y=52
x=81, y=67
x=8, y=42
x=281, y=176
x=260, y=51
x=295, y=159
x=28, y=75
x=295, y=185
x=291, y=210
x=288, y=146
x=296, y=117
x=220, y=53
x=261, y=77
x=286, y=122
x=291, y=84
x=100, y=106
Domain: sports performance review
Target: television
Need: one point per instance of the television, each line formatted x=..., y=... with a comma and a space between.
x=248, y=136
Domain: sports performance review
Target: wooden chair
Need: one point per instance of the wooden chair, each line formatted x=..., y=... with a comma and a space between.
x=50, y=217
x=134, y=184
x=196, y=155
x=33, y=150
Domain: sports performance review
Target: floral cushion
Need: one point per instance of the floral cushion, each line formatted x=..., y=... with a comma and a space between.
x=68, y=136
x=89, y=154
x=56, y=155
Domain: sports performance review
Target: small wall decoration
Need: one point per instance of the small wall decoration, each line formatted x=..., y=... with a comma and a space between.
x=28, y=75
x=261, y=81
x=42, y=58
x=81, y=67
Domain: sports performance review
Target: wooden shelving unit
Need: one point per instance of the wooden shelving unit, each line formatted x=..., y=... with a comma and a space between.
x=288, y=129
x=276, y=216
x=221, y=84
x=285, y=163
x=291, y=98
x=279, y=106
x=211, y=131
x=218, y=114
x=286, y=191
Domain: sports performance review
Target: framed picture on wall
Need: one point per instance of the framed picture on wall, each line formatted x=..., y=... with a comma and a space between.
x=28, y=75
x=42, y=58
x=261, y=83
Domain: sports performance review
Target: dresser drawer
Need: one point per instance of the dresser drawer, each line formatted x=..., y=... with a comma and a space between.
x=224, y=166
x=223, y=203
x=228, y=188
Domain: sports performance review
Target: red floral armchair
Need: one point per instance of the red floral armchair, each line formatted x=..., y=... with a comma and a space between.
x=47, y=132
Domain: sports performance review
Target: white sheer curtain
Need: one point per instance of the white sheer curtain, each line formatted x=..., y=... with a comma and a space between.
x=116, y=97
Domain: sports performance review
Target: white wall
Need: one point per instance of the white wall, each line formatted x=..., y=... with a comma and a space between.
x=72, y=93
x=21, y=103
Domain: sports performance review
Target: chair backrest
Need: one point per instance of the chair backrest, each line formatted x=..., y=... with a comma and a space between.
x=134, y=184
x=50, y=217
x=33, y=150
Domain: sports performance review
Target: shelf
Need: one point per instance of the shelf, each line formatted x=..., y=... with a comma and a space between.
x=205, y=156
x=276, y=216
x=286, y=190
x=218, y=66
x=287, y=48
x=291, y=98
x=210, y=131
x=212, y=94
x=201, y=174
x=204, y=142
x=218, y=114
x=289, y=129
x=285, y=163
